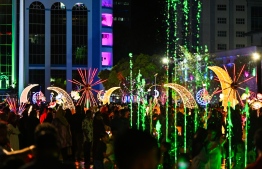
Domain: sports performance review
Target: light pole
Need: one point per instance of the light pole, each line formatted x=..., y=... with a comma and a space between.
x=257, y=58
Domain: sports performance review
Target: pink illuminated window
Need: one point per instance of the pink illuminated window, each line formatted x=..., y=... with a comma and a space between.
x=107, y=39
x=107, y=19
x=107, y=3
x=106, y=59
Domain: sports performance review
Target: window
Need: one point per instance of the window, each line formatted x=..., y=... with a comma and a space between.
x=240, y=46
x=107, y=39
x=256, y=18
x=221, y=46
x=222, y=20
x=221, y=33
x=240, y=20
x=79, y=35
x=107, y=3
x=240, y=8
x=106, y=59
x=37, y=33
x=58, y=34
x=240, y=34
x=107, y=19
x=221, y=7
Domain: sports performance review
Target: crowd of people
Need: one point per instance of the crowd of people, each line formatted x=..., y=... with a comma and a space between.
x=103, y=138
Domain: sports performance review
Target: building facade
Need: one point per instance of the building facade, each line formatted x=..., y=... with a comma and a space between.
x=225, y=23
x=122, y=28
x=52, y=39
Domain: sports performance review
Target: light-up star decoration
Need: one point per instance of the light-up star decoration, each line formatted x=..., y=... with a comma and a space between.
x=86, y=86
x=230, y=86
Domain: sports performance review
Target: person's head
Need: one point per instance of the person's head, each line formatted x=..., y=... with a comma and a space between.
x=12, y=118
x=25, y=113
x=258, y=139
x=212, y=133
x=89, y=114
x=240, y=147
x=136, y=149
x=33, y=113
x=125, y=113
x=3, y=133
x=78, y=109
x=104, y=137
x=165, y=147
x=201, y=134
x=46, y=141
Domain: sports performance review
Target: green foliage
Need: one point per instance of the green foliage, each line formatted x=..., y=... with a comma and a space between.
x=81, y=52
x=148, y=66
x=58, y=82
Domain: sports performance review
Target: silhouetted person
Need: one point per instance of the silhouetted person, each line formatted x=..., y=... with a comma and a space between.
x=100, y=152
x=47, y=149
x=77, y=133
x=98, y=129
x=64, y=134
x=22, y=128
x=87, y=126
x=258, y=144
x=136, y=149
x=32, y=122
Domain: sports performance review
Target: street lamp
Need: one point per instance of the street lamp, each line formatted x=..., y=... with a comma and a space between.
x=257, y=58
x=169, y=62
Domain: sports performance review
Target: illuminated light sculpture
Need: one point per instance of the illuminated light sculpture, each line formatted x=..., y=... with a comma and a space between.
x=188, y=101
x=100, y=95
x=255, y=102
x=60, y=99
x=23, y=97
x=229, y=87
x=12, y=102
x=185, y=95
x=106, y=98
x=75, y=95
x=87, y=77
x=38, y=98
x=68, y=102
x=203, y=98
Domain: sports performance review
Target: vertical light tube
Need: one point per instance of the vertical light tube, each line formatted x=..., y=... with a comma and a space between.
x=195, y=120
x=131, y=88
x=21, y=48
x=185, y=122
x=230, y=125
x=167, y=95
x=246, y=128
x=14, y=35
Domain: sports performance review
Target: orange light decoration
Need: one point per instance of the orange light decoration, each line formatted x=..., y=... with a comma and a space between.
x=230, y=86
x=186, y=96
x=86, y=86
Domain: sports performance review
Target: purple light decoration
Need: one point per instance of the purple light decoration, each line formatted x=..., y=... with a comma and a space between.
x=107, y=39
x=246, y=73
x=106, y=59
x=107, y=19
x=107, y=3
x=191, y=77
